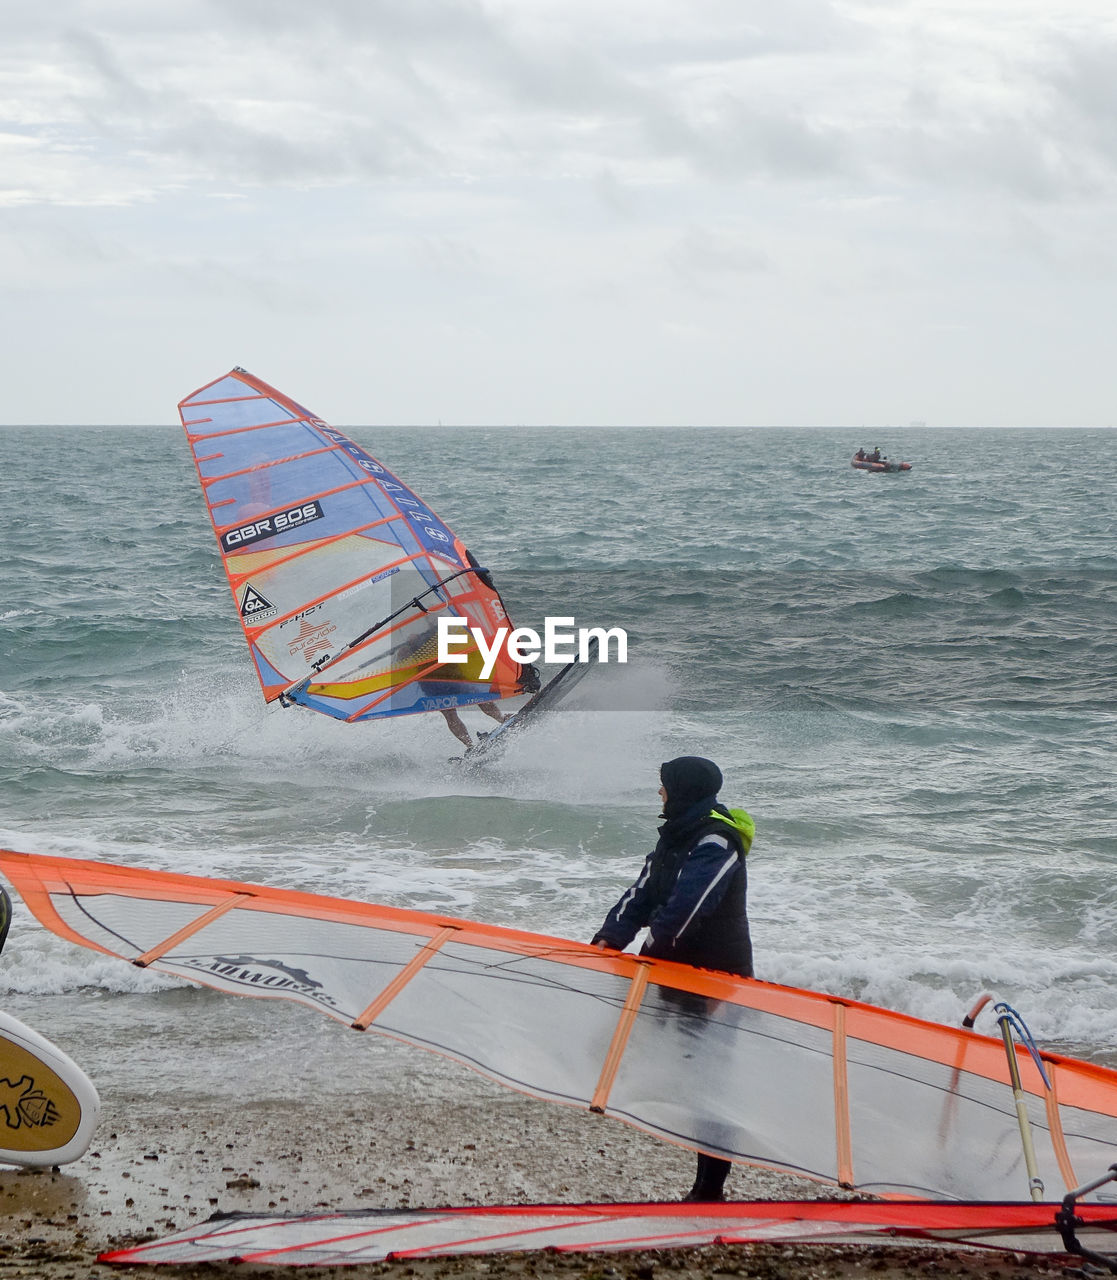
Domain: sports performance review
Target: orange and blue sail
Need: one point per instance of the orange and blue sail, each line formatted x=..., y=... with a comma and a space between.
x=339, y=571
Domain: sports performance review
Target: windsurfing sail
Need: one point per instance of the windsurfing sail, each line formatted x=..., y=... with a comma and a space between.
x=796, y=1080
x=338, y=571
x=377, y=1235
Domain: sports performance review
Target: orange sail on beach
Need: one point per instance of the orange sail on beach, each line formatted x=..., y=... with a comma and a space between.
x=796, y=1080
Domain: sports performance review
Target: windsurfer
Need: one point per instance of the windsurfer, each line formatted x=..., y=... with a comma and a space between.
x=414, y=653
x=691, y=897
x=528, y=677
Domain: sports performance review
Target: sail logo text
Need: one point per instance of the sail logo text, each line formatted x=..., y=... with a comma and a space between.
x=257, y=973
x=253, y=605
x=270, y=526
x=559, y=643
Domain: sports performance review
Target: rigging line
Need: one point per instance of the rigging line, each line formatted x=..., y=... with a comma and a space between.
x=1021, y=1028
x=578, y=949
x=326, y=661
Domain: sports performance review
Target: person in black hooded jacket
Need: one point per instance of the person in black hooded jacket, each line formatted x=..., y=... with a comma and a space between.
x=691, y=897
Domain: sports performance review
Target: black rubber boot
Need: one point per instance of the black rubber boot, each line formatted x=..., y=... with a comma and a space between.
x=709, y=1182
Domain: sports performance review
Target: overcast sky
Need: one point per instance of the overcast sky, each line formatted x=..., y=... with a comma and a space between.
x=824, y=212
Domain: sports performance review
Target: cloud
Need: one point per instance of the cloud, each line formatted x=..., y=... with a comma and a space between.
x=715, y=258
x=1084, y=84
x=560, y=174
x=343, y=92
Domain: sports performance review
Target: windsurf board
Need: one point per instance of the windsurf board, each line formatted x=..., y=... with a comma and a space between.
x=48, y=1105
x=552, y=693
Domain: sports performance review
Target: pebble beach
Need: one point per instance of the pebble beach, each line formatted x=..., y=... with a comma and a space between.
x=155, y=1167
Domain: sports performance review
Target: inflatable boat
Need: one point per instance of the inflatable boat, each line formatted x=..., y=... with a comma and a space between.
x=885, y=464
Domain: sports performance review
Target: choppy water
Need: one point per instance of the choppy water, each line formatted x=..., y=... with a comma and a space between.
x=910, y=680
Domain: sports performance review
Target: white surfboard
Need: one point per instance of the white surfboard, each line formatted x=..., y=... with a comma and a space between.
x=48, y=1105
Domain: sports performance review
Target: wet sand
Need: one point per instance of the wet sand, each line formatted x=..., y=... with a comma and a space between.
x=156, y=1167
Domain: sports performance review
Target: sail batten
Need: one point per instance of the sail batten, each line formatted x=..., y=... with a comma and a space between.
x=846, y=1177
x=318, y=539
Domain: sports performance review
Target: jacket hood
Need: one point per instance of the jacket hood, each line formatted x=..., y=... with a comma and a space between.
x=688, y=779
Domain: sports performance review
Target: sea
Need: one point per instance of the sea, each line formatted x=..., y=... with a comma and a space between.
x=909, y=680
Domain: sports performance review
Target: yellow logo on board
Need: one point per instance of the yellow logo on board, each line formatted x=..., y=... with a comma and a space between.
x=23, y=1104
x=38, y=1110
